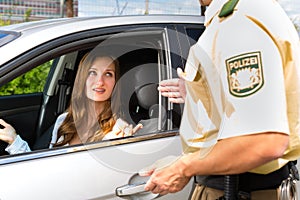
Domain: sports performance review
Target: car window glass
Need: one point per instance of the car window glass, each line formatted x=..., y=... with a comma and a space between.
x=194, y=34
x=142, y=61
x=31, y=82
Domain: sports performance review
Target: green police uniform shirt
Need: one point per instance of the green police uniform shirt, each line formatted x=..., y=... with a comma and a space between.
x=242, y=78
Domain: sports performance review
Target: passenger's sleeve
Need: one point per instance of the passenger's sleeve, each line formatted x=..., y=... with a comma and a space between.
x=18, y=146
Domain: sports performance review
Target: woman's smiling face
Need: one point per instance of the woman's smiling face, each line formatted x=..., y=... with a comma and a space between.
x=101, y=79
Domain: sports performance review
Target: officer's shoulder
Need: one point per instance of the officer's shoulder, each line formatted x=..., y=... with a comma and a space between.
x=228, y=8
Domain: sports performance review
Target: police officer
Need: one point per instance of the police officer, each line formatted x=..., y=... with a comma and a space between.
x=242, y=110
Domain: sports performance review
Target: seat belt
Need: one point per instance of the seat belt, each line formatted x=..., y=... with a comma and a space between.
x=64, y=89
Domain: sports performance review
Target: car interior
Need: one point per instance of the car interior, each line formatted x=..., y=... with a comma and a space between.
x=142, y=64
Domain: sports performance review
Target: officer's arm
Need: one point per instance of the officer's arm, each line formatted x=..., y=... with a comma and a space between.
x=236, y=155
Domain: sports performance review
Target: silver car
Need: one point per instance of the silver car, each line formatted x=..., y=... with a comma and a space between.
x=38, y=63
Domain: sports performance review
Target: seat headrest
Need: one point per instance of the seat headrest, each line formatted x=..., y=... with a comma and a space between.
x=147, y=95
x=146, y=78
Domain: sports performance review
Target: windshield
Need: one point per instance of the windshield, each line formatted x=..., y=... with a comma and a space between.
x=7, y=36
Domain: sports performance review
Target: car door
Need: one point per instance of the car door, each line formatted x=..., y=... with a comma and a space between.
x=106, y=169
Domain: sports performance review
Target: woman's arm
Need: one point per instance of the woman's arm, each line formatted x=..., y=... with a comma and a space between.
x=15, y=143
x=122, y=129
x=18, y=146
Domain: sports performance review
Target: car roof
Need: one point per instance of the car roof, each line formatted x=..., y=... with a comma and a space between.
x=31, y=34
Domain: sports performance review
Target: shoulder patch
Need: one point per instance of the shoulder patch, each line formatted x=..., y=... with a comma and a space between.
x=228, y=8
x=245, y=74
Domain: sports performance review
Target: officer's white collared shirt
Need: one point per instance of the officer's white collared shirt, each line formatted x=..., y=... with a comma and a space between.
x=243, y=78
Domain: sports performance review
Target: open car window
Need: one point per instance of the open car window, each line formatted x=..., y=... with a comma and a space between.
x=143, y=59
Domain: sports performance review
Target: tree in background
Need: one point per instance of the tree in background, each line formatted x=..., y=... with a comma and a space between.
x=28, y=14
x=69, y=6
x=31, y=82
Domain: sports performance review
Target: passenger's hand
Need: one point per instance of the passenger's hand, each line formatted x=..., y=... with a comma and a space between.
x=166, y=176
x=174, y=89
x=8, y=133
x=122, y=129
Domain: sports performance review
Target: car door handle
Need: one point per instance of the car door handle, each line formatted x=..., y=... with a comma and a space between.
x=130, y=189
x=135, y=189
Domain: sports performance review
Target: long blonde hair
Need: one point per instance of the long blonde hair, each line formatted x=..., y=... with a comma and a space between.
x=78, y=110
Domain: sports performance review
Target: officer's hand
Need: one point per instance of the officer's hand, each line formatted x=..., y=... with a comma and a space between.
x=174, y=89
x=159, y=164
x=165, y=176
x=7, y=133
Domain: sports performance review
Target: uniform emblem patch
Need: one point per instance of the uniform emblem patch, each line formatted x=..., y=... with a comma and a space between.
x=245, y=74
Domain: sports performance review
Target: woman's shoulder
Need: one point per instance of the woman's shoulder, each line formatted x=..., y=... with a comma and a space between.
x=61, y=118
x=57, y=124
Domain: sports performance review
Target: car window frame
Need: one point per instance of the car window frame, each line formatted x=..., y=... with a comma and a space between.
x=46, y=52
